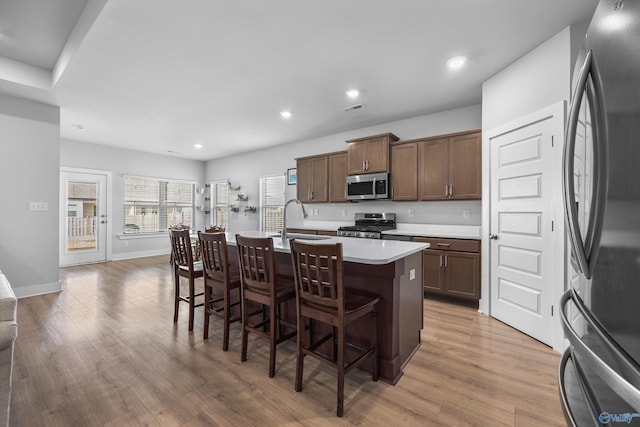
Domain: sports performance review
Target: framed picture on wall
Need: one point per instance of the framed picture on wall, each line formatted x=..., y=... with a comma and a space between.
x=292, y=178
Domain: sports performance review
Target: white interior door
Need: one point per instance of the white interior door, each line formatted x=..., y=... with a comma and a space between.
x=83, y=214
x=522, y=254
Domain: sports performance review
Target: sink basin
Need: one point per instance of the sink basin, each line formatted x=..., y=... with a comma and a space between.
x=300, y=236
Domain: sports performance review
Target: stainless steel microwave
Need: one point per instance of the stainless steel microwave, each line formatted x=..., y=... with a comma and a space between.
x=368, y=187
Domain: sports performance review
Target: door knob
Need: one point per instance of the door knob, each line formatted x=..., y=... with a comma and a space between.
x=493, y=236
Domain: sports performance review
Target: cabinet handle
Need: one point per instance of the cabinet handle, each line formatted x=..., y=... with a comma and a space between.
x=440, y=260
x=450, y=191
x=445, y=260
x=443, y=244
x=311, y=195
x=446, y=191
x=364, y=165
x=392, y=192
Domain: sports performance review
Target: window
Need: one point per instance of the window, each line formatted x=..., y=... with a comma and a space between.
x=271, y=203
x=220, y=203
x=155, y=204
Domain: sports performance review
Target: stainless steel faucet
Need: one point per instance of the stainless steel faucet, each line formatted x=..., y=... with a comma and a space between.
x=284, y=219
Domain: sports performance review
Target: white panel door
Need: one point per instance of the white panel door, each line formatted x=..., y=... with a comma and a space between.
x=521, y=266
x=83, y=215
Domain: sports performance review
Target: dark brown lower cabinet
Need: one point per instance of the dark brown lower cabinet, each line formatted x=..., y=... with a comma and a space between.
x=452, y=267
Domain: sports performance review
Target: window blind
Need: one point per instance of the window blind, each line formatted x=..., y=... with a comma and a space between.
x=155, y=204
x=271, y=203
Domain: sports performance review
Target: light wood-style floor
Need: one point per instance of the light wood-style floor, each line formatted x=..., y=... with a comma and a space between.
x=104, y=352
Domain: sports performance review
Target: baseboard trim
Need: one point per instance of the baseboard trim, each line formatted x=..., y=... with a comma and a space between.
x=139, y=254
x=34, y=290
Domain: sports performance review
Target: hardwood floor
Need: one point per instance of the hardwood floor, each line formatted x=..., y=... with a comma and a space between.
x=104, y=352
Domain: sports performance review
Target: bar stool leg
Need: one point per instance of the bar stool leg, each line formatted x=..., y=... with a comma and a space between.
x=176, y=281
x=192, y=302
x=273, y=327
x=340, y=372
x=245, y=332
x=301, y=340
x=374, y=340
x=207, y=306
x=226, y=317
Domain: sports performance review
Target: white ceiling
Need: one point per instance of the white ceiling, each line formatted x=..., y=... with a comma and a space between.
x=162, y=75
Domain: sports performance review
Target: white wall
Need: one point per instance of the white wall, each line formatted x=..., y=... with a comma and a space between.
x=539, y=79
x=122, y=162
x=29, y=172
x=246, y=169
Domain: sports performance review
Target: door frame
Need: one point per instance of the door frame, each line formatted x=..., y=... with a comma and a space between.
x=63, y=206
x=558, y=113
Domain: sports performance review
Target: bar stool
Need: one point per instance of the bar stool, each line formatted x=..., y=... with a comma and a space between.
x=218, y=274
x=261, y=285
x=184, y=266
x=322, y=297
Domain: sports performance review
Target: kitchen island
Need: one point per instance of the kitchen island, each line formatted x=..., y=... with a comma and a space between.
x=390, y=269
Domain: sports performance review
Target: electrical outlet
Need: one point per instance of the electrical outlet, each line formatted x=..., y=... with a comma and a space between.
x=466, y=213
x=38, y=206
x=344, y=212
x=411, y=212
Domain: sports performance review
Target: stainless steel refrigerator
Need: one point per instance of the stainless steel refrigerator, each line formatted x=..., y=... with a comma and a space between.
x=599, y=373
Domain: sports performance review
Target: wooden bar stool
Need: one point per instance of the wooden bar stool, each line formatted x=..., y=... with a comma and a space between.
x=218, y=274
x=261, y=284
x=321, y=296
x=184, y=266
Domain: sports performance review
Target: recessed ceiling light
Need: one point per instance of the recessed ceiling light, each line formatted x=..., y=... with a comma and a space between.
x=353, y=93
x=456, y=62
x=285, y=114
x=197, y=146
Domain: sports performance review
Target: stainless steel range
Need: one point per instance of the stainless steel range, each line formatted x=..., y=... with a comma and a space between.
x=369, y=225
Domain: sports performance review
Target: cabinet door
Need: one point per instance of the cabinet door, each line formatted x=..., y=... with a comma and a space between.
x=432, y=271
x=404, y=172
x=356, y=155
x=434, y=169
x=304, y=173
x=465, y=177
x=462, y=274
x=377, y=155
x=319, y=187
x=337, y=177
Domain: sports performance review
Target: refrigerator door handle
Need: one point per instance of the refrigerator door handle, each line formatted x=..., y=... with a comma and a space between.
x=600, y=166
x=586, y=251
x=627, y=391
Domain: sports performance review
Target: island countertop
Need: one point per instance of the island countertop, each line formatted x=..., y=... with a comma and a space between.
x=363, y=251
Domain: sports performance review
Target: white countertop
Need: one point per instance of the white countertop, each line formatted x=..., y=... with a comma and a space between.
x=437, y=230
x=404, y=229
x=364, y=251
x=320, y=225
